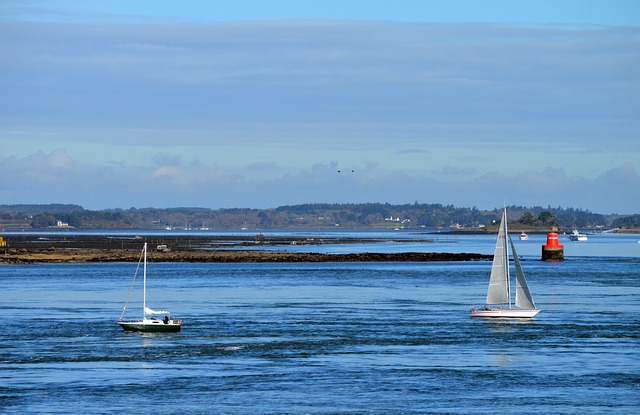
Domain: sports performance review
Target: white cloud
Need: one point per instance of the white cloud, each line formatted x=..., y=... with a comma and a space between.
x=60, y=159
x=98, y=187
x=171, y=172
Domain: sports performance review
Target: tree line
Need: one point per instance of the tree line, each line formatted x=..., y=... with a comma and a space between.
x=318, y=215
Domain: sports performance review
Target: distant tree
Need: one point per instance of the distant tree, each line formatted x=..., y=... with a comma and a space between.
x=264, y=219
x=628, y=222
x=547, y=218
x=527, y=219
x=43, y=220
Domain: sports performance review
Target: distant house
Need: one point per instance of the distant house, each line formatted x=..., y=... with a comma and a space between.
x=62, y=224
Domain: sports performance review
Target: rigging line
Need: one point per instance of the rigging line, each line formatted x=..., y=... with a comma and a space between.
x=131, y=287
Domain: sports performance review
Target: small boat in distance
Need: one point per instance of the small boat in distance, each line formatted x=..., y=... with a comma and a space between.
x=148, y=324
x=499, y=292
x=524, y=236
x=577, y=236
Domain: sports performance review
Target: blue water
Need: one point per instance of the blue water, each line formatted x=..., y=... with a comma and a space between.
x=602, y=245
x=331, y=338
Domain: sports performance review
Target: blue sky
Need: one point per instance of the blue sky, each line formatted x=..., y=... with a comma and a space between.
x=263, y=104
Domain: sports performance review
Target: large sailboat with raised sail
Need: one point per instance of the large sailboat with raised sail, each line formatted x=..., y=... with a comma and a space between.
x=498, y=303
x=148, y=323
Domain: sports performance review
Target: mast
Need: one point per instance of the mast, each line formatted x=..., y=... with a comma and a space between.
x=144, y=284
x=506, y=262
x=498, y=291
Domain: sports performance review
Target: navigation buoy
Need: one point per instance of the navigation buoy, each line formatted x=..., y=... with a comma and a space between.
x=552, y=251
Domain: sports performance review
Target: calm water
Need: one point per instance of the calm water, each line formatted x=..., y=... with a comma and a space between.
x=381, y=338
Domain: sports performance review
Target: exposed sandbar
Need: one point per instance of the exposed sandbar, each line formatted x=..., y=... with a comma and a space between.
x=59, y=256
x=61, y=247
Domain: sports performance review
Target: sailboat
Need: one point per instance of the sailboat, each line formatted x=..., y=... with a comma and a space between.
x=499, y=293
x=148, y=323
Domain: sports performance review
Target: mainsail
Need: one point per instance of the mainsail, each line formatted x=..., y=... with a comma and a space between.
x=498, y=292
x=150, y=312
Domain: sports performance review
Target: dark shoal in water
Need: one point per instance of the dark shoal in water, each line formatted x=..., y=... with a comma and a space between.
x=25, y=256
x=61, y=247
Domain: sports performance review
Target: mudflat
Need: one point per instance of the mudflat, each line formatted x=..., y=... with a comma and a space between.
x=93, y=255
x=61, y=247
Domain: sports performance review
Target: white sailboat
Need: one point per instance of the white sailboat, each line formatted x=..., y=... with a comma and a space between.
x=148, y=322
x=499, y=292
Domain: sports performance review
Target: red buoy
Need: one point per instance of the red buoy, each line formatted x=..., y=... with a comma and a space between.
x=552, y=251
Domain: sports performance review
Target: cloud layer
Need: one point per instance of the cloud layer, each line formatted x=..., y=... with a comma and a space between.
x=55, y=177
x=265, y=113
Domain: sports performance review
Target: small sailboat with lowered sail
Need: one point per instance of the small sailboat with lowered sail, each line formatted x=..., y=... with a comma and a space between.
x=148, y=324
x=498, y=303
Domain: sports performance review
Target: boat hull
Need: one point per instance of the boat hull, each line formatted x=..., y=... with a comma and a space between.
x=152, y=326
x=505, y=313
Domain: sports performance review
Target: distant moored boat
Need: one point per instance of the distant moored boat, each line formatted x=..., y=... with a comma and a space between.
x=577, y=236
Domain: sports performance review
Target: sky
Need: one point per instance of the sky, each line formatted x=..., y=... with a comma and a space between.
x=260, y=104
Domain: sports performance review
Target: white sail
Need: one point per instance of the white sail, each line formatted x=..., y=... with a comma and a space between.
x=498, y=292
x=150, y=312
x=523, y=295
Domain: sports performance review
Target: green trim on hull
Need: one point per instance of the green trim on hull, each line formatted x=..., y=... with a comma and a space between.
x=149, y=328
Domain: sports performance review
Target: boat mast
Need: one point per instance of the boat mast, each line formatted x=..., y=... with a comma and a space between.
x=144, y=284
x=506, y=261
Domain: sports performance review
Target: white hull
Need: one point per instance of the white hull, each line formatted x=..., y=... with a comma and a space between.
x=577, y=236
x=505, y=313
